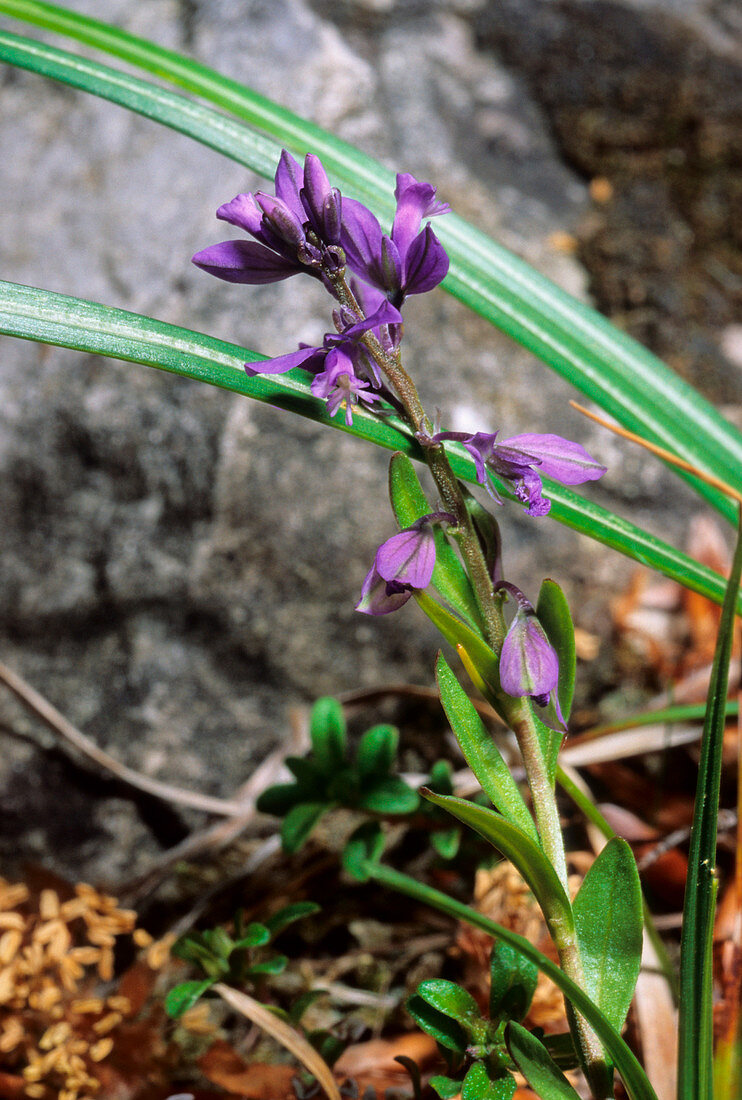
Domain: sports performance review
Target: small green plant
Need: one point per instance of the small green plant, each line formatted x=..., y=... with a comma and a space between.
x=237, y=960
x=483, y=1051
x=329, y=777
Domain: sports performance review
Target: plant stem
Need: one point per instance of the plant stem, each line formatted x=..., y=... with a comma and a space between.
x=542, y=788
x=518, y=710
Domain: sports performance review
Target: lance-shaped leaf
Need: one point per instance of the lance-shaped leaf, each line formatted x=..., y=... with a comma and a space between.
x=552, y=611
x=481, y=752
x=537, y=1066
x=512, y=982
x=51, y=318
x=695, y=1054
x=184, y=996
x=608, y=922
x=327, y=734
x=525, y=855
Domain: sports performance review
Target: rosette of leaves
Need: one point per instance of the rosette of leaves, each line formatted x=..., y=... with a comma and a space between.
x=482, y=1052
x=329, y=777
x=239, y=960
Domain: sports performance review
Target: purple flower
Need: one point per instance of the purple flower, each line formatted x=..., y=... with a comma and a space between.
x=411, y=260
x=528, y=662
x=522, y=460
x=336, y=365
x=339, y=383
x=403, y=563
x=296, y=230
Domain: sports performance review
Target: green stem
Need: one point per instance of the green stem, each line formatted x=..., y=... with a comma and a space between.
x=541, y=786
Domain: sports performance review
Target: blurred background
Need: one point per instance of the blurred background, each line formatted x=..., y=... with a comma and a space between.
x=178, y=566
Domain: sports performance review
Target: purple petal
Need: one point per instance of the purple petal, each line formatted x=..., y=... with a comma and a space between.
x=528, y=663
x=559, y=458
x=337, y=364
x=283, y=221
x=379, y=597
x=415, y=201
x=282, y=363
x=321, y=202
x=288, y=180
x=386, y=314
x=360, y=239
x=408, y=557
x=426, y=263
x=245, y=262
x=368, y=297
x=244, y=212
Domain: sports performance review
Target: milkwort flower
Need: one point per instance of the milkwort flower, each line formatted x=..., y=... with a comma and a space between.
x=296, y=230
x=411, y=260
x=529, y=664
x=342, y=367
x=522, y=460
x=403, y=564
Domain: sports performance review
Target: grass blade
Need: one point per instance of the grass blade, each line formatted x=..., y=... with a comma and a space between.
x=695, y=1052
x=603, y=363
x=52, y=318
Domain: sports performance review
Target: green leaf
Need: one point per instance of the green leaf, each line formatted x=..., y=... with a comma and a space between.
x=279, y=799
x=446, y=1087
x=190, y=948
x=311, y=779
x=536, y=1065
x=481, y=1084
x=377, y=750
x=328, y=1046
x=362, y=850
x=275, y=965
x=479, y=660
x=302, y=1003
x=390, y=795
x=561, y=1049
x=633, y=1076
x=219, y=942
x=440, y=779
x=442, y=1027
x=519, y=848
x=481, y=752
x=298, y=824
x=512, y=982
x=446, y=842
x=695, y=1056
x=608, y=922
x=450, y=578
x=255, y=935
x=51, y=318
x=184, y=996
x=488, y=532
x=288, y=914
x=555, y=617
x=551, y=742
x=414, y=1071
x=453, y=1001
x=327, y=734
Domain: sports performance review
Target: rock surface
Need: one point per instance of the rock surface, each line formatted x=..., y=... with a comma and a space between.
x=178, y=566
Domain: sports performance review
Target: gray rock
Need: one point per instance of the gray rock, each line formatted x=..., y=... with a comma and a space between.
x=178, y=565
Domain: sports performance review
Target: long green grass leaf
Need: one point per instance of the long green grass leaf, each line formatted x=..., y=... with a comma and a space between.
x=52, y=318
x=204, y=124
x=695, y=1043
x=605, y=364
